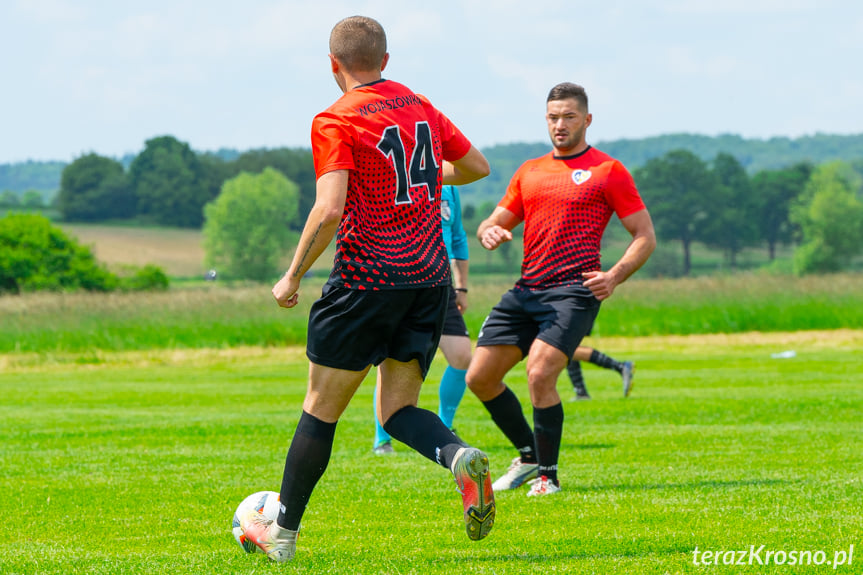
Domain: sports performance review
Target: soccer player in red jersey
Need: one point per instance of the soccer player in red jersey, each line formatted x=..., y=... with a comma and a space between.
x=565, y=200
x=381, y=154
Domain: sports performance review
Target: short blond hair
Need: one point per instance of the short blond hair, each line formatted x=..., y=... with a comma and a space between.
x=359, y=43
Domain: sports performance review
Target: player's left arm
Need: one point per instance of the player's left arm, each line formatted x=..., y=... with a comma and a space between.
x=321, y=226
x=640, y=226
x=469, y=168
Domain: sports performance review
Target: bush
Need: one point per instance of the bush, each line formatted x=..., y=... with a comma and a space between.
x=146, y=278
x=35, y=255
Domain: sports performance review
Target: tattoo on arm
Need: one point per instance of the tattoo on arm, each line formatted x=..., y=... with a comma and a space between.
x=308, y=249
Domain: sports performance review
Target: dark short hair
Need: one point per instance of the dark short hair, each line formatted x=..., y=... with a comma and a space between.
x=359, y=43
x=568, y=91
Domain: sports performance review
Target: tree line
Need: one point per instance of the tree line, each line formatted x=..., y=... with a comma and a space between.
x=817, y=208
x=168, y=183
x=754, y=154
x=717, y=202
x=722, y=205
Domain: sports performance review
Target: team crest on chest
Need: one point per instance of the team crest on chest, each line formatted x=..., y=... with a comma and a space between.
x=581, y=176
x=445, y=210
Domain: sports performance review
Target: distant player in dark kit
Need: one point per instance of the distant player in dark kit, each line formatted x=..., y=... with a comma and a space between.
x=626, y=369
x=565, y=200
x=381, y=154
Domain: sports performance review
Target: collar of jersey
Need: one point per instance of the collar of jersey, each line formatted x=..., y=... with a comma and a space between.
x=370, y=83
x=587, y=149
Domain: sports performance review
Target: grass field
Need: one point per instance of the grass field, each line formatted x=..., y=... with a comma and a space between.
x=133, y=424
x=134, y=464
x=220, y=316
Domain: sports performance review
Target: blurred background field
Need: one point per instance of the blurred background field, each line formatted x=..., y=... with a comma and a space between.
x=178, y=251
x=195, y=313
x=213, y=314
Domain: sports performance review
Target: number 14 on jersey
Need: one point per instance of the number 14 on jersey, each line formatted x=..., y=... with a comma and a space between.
x=422, y=170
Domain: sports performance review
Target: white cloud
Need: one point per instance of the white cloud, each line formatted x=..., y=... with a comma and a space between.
x=103, y=75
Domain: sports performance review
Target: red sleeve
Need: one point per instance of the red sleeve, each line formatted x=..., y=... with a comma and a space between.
x=455, y=144
x=621, y=193
x=512, y=198
x=332, y=144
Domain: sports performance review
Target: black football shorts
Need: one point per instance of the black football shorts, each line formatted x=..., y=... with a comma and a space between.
x=561, y=317
x=454, y=323
x=352, y=329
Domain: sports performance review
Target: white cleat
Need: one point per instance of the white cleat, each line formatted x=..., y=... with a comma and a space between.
x=517, y=474
x=278, y=543
x=542, y=486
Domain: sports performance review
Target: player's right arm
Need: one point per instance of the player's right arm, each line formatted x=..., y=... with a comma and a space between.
x=496, y=229
x=469, y=168
x=643, y=243
x=320, y=228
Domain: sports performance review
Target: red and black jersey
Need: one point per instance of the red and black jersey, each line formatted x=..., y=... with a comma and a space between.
x=393, y=142
x=565, y=204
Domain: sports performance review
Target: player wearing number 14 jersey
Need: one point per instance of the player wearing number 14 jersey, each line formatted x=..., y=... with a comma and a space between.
x=381, y=154
x=393, y=141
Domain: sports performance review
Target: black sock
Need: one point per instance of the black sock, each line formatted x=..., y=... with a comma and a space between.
x=305, y=464
x=602, y=360
x=424, y=432
x=506, y=412
x=548, y=428
x=574, y=370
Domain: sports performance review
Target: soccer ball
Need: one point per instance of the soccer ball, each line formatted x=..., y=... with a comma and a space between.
x=264, y=502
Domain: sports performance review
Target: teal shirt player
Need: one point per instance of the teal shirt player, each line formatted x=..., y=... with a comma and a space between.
x=454, y=235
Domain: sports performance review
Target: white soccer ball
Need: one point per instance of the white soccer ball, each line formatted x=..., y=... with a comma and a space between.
x=264, y=502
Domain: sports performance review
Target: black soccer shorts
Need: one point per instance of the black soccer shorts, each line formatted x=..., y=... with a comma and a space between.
x=352, y=329
x=454, y=323
x=561, y=317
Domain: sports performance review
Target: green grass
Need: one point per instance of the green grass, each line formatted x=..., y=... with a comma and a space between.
x=733, y=304
x=134, y=462
x=221, y=316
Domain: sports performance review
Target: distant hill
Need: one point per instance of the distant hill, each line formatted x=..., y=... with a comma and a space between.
x=23, y=176
x=754, y=154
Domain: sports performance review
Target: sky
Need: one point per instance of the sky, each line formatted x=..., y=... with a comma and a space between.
x=102, y=76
